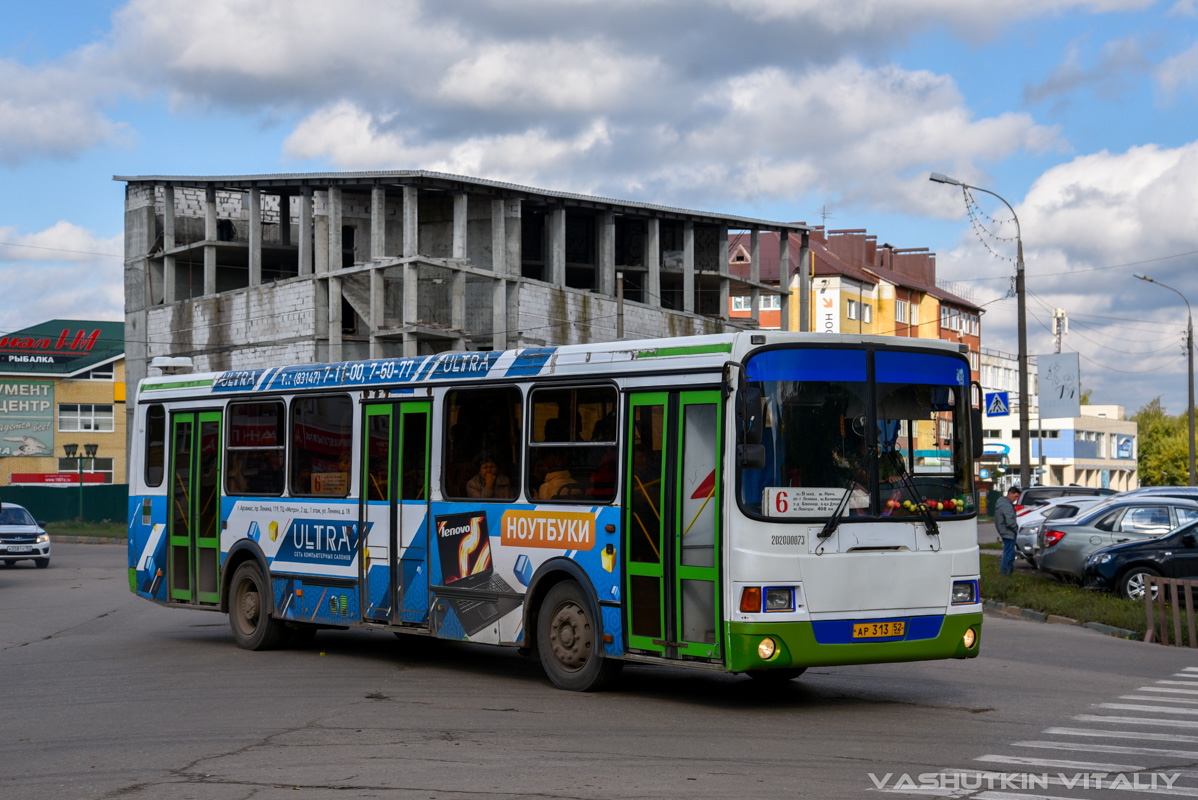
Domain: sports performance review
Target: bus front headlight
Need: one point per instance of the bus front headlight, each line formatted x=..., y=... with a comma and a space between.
x=965, y=592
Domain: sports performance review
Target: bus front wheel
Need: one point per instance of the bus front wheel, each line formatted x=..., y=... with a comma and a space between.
x=570, y=642
x=249, y=611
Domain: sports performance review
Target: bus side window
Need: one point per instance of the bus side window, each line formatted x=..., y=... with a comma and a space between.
x=482, y=444
x=321, y=445
x=254, y=448
x=573, y=450
x=155, y=445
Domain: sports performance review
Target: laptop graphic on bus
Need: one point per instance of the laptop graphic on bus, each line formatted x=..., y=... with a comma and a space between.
x=465, y=550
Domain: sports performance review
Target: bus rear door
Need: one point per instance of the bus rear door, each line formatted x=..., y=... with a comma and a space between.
x=193, y=525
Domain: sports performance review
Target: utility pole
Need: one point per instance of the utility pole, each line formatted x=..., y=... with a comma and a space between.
x=1060, y=325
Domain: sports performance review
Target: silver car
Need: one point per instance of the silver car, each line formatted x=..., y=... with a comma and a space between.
x=1030, y=520
x=22, y=537
x=1066, y=545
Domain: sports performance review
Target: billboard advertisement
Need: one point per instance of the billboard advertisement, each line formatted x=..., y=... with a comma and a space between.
x=26, y=418
x=1060, y=385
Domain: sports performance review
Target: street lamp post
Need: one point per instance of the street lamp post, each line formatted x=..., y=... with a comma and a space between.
x=1190, y=354
x=1025, y=450
x=72, y=451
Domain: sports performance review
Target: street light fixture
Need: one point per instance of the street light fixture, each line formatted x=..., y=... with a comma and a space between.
x=1025, y=467
x=1190, y=353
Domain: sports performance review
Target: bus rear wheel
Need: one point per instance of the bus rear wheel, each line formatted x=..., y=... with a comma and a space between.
x=570, y=642
x=249, y=611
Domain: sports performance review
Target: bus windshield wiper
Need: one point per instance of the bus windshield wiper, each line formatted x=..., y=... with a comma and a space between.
x=929, y=521
x=833, y=521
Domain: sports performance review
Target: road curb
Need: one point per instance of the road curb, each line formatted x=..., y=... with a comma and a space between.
x=64, y=539
x=1015, y=612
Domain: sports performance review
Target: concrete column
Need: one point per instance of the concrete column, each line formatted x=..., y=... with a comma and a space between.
x=305, y=231
x=411, y=273
x=320, y=247
x=460, y=206
x=557, y=247
x=335, y=245
x=255, y=237
x=784, y=277
x=378, y=302
x=334, y=319
x=378, y=223
x=722, y=249
x=285, y=220
x=755, y=275
x=688, y=266
x=499, y=267
x=653, y=261
x=805, y=283
x=209, y=238
x=606, y=249
x=411, y=221
x=513, y=211
x=170, y=289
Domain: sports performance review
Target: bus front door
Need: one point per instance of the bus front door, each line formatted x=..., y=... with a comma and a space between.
x=194, y=519
x=671, y=524
x=394, y=512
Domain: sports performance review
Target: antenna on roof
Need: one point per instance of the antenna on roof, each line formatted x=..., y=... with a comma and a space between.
x=824, y=215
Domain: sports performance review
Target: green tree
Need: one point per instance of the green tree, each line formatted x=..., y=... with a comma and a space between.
x=1164, y=456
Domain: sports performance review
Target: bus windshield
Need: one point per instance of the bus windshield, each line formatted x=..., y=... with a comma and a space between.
x=874, y=432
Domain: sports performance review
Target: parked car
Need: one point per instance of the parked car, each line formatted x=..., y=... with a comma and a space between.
x=22, y=537
x=1065, y=546
x=1184, y=492
x=1034, y=496
x=1031, y=519
x=1122, y=568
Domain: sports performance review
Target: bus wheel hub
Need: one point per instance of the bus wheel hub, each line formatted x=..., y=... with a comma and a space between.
x=567, y=636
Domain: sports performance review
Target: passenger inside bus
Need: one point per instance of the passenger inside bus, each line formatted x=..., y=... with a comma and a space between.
x=489, y=482
x=558, y=481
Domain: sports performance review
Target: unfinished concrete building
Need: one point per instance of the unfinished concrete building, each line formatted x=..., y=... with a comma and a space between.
x=249, y=271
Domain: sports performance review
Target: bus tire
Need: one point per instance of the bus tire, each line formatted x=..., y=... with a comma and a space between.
x=776, y=675
x=569, y=642
x=249, y=611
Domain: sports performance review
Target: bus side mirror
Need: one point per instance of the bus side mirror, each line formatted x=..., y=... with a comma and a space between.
x=748, y=412
x=750, y=456
x=975, y=424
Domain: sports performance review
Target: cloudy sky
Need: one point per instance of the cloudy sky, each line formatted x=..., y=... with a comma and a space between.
x=1081, y=113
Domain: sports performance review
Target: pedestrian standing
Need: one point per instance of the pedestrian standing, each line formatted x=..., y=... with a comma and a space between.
x=1004, y=520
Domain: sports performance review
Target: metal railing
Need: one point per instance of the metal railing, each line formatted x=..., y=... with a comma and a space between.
x=1161, y=595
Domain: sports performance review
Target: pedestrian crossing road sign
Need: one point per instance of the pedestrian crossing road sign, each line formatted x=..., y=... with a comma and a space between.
x=998, y=404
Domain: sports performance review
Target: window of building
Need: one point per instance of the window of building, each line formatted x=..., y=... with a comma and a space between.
x=945, y=317
x=321, y=445
x=900, y=310
x=572, y=450
x=771, y=302
x=914, y=313
x=106, y=372
x=741, y=302
x=867, y=313
x=93, y=466
x=254, y=448
x=973, y=360
x=155, y=445
x=852, y=309
x=482, y=444
x=991, y=433
x=85, y=417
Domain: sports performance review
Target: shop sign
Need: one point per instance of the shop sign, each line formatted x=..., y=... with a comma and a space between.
x=26, y=418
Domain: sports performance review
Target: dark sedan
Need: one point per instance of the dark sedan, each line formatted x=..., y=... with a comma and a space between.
x=1122, y=568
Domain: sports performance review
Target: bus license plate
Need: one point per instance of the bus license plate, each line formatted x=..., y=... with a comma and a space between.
x=879, y=630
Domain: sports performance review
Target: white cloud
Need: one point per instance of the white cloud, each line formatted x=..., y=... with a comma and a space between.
x=1178, y=73
x=59, y=272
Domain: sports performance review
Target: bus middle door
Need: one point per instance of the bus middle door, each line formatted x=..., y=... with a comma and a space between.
x=394, y=511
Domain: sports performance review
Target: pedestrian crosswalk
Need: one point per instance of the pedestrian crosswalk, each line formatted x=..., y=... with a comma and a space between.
x=1140, y=744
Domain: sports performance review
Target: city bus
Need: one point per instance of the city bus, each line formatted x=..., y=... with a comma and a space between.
x=756, y=503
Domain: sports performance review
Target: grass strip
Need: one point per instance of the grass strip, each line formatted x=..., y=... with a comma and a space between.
x=1043, y=592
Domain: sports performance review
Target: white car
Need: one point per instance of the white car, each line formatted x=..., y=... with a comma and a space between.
x=1031, y=519
x=22, y=537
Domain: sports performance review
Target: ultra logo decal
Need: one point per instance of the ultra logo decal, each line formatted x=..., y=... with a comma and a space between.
x=320, y=541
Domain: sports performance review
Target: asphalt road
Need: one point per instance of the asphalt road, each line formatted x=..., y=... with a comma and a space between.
x=107, y=696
